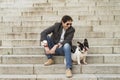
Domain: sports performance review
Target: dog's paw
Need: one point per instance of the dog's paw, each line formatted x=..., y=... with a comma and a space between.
x=79, y=63
x=85, y=63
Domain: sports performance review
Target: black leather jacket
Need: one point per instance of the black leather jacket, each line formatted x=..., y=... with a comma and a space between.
x=56, y=31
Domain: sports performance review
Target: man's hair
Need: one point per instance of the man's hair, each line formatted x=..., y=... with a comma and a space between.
x=66, y=18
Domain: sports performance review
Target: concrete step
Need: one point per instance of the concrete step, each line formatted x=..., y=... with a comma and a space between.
x=28, y=28
x=16, y=35
x=18, y=77
x=96, y=22
x=16, y=69
x=10, y=29
x=84, y=34
x=38, y=26
x=111, y=3
x=30, y=69
x=83, y=77
x=30, y=1
x=96, y=69
x=24, y=9
x=39, y=13
x=21, y=43
x=50, y=4
x=107, y=28
x=19, y=19
x=35, y=35
x=40, y=59
x=33, y=24
x=36, y=42
x=84, y=13
x=38, y=50
x=101, y=68
x=20, y=3
x=62, y=77
x=99, y=41
x=10, y=24
x=107, y=22
x=13, y=13
x=85, y=20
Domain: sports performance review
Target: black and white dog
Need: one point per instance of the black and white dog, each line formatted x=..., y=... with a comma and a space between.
x=80, y=52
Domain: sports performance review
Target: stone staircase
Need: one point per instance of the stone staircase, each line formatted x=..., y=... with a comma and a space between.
x=22, y=57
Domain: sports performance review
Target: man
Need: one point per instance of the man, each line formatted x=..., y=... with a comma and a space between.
x=60, y=42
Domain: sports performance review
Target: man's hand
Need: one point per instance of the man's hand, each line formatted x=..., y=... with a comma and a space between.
x=59, y=44
x=44, y=43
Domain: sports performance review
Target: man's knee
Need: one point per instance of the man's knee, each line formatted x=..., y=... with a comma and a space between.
x=67, y=46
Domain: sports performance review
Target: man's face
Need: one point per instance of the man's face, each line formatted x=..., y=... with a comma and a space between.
x=67, y=24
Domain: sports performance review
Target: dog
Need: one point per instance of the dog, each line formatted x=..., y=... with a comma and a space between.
x=80, y=52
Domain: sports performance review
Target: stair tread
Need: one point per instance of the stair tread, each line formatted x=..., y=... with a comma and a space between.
x=17, y=76
x=60, y=76
x=81, y=75
x=42, y=55
x=57, y=65
x=42, y=47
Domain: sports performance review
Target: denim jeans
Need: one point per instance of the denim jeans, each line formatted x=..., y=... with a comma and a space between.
x=65, y=50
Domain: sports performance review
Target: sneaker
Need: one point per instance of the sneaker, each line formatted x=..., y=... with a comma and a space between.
x=49, y=62
x=68, y=73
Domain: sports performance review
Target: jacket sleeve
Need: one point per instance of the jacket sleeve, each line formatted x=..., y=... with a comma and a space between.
x=45, y=32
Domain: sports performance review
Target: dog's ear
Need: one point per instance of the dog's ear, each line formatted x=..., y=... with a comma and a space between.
x=79, y=42
x=85, y=40
x=86, y=43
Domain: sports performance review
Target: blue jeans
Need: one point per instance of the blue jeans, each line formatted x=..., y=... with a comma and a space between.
x=65, y=50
